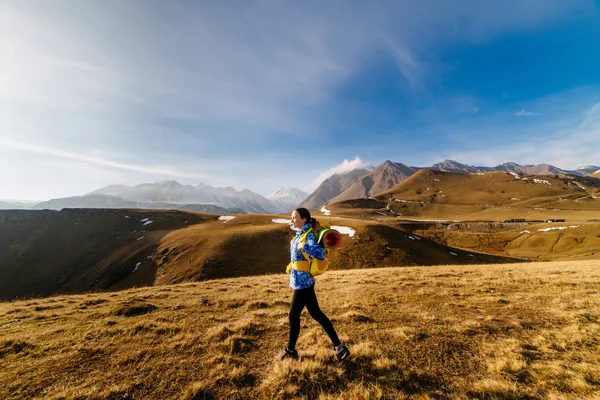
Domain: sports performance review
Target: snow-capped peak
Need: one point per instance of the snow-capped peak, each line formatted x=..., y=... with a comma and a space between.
x=288, y=192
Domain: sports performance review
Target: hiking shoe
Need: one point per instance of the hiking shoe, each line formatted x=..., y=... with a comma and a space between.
x=340, y=352
x=287, y=353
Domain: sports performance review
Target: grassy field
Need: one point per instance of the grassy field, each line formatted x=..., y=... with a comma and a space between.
x=508, y=331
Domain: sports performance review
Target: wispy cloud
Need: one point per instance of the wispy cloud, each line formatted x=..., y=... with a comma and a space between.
x=344, y=166
x=523, y=113
x=98, y=160
x=407, y=63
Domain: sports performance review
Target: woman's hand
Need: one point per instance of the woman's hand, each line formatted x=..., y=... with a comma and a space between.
x=300, y=246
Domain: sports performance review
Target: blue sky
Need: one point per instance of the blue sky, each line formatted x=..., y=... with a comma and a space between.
x=262, y=94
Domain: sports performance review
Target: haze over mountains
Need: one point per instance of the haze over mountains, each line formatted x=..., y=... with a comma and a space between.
x=355, y=184
x=172, y=195
x=287, y=198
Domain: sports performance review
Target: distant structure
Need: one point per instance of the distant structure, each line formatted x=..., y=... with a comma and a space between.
x=537, y=220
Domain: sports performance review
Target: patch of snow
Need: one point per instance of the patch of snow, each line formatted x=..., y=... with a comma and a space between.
x=144, y=220
x=514, y=198
x=140, y=238
x=436, y=179
x=148, y=222
x=226, y=218
x=470, y=255
x=517, y=176
x=344, y=230
x=127, y=216
x=525, y=231
x=380, y=213
x=543, y=181
x=136, y=266
x=281, y=221
x=454, y=254
x=411, y=237
x=325, y=211
x=557, y=228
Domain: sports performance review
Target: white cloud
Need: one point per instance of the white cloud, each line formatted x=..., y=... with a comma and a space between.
x=344, y=166
x=523, y=113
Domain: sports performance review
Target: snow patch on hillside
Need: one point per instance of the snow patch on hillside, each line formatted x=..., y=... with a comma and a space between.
x=344, y=230
x=557, y=228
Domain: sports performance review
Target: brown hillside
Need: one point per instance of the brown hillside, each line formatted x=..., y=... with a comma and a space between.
x=534, y=239
x=74, y=251
x=531, y=241
x=516, y=331
x=493, y=188
x=493, y=196
x=384, y=177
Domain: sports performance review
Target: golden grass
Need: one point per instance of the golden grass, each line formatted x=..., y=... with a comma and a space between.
x=450, y=332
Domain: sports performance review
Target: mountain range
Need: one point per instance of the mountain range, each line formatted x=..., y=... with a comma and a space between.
x=355, y=184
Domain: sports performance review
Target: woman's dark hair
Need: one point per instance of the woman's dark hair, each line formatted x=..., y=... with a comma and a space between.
x=305, y=214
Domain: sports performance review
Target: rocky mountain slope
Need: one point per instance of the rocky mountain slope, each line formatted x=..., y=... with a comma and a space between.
x=380, y=179
x=332, y=187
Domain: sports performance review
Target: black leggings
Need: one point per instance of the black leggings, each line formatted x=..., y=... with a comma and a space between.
x=307, y=297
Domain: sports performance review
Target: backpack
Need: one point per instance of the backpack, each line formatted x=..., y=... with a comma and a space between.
x=328, y=239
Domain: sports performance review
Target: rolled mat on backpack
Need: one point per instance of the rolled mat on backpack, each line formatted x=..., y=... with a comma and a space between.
x=329, y=238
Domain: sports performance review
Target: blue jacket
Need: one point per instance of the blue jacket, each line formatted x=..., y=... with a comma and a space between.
x=301, y=279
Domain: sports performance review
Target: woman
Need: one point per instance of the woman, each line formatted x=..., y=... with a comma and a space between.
x=303, y=284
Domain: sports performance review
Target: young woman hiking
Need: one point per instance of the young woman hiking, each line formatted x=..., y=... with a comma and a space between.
x=303, y=284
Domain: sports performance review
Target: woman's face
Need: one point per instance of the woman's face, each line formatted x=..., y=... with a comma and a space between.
x=297, y=221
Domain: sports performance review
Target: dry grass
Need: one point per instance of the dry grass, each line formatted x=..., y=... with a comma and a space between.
x=538, y=241
x=453, y=332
